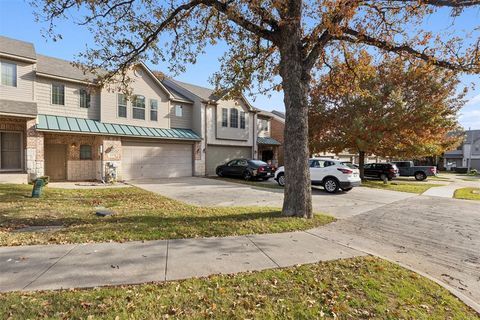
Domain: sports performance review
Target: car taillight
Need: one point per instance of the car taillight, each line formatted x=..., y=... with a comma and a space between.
x=392, y=170
x=261, y=169
x=345, y=171
x=433, y=170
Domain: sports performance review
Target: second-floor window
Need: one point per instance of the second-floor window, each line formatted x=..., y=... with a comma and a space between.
x=178, y=111
x=84, y=98
x=58, y=94
x=122, y=106
x=242, y=119
x=153, y=110
x=233, y=118
x=264, y=125
x=9, y=74
x=224, y=117
x=138, y=105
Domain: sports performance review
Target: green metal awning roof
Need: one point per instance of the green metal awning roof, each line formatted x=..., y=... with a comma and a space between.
x=267, y=140
x=87, y=126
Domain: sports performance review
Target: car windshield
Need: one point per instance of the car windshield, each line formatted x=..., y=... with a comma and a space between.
x=258, y=163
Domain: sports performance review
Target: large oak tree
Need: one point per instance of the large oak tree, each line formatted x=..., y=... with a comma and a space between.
x=269, y=40
x=391, y=108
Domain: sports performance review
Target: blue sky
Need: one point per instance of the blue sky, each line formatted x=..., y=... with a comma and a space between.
x=17, y=21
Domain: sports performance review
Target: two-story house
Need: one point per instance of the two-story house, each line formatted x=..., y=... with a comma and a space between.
x=270, y=127
x=467, y=154
x=227, y=126
x=55, y=121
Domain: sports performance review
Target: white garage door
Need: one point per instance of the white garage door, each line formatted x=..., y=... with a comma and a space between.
x=141, y=160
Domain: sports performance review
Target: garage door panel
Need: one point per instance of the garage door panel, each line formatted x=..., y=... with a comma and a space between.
x=155, y=160
x=217, y=155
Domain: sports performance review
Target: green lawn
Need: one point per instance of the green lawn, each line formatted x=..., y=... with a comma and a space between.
x=403, y=186
x=140, y=215
x=467, y=193
x=360, y=288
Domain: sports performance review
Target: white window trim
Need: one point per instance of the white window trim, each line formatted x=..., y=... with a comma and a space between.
x=118, y=104
x=16, y=74
x=135, y=107
x=156, y=110
x=64, y=94
x=89, y=104
x=177, y=108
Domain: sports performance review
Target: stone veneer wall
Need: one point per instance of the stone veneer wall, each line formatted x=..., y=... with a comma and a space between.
x=32, y=143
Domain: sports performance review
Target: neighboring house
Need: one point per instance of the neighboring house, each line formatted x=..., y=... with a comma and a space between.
x=468, y=151
x=227, y=126
x=270, y=127
x=55, y=121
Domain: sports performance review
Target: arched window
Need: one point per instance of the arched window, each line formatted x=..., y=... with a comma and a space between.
x=233, y=118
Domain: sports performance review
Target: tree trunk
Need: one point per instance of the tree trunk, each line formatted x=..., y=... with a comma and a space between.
x=361, y=164
x=295, y=81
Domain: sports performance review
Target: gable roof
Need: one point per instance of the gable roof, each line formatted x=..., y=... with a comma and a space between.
x=50, y=66
x=206, y=94
x=17, y=48
x=272, y=114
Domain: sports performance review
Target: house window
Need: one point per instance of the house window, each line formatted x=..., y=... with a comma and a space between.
x=58, y=94
x=179, y=111
x=9, y=74
x=10, y=151
x=233, y=118
x=153, y=110
x=122, y=106
x=85, y=152
x=224, y=117
x=138, y=104
x=84, y=98
x=264, y=125
x=242, y=120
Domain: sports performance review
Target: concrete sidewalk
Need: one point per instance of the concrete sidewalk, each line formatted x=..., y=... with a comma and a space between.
x=98, y=264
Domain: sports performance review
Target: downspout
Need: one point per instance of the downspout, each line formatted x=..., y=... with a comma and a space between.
x=205, y=106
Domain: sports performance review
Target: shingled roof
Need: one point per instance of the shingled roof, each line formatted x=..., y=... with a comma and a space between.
x=17, y=48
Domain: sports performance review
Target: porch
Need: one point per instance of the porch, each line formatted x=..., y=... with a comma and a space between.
x=268, y=150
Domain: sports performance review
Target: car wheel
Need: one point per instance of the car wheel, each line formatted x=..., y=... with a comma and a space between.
x=420, y=176
x=247, y=175
x=281, y=179
x=220, y=173
x=331, y=185
x=347, y=189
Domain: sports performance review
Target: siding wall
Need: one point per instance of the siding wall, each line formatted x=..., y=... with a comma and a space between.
x=72, y=100
x=142, y=84
x=227, y=135
x=24, y=91
x=184, y=122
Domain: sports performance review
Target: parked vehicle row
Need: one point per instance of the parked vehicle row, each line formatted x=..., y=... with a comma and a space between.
x=333, y=175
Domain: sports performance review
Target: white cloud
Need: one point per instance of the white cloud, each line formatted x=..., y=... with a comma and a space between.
x=473, y=100
x=470, y=117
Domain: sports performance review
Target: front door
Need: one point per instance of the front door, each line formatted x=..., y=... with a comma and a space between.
x=56, y=161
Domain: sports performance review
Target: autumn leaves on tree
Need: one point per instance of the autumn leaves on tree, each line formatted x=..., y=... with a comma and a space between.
x=281, y=44
x=389, y=108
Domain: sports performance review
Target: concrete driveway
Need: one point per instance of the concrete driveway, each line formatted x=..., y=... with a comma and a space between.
x=214, y=192
x=438, y=237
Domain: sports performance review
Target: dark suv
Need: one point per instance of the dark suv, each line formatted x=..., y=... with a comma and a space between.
x=380, y=170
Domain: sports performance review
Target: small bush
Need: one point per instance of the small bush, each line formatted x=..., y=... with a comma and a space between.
x=473, y=172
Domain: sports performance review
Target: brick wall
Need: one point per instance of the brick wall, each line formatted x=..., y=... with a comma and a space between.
x=277, y=128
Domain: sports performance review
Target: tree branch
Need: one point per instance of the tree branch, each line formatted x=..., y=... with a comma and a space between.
x=354, y=36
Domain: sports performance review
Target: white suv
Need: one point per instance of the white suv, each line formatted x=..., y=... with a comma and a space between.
x=331, y=174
